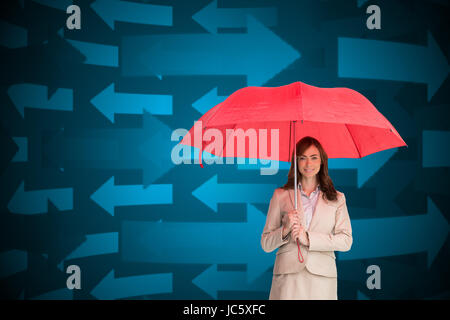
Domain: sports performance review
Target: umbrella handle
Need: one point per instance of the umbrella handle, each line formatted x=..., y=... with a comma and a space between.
x=295, y=187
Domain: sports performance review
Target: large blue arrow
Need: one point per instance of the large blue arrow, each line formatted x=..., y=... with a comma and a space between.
x=147, y=149
x=207, y=101
x=211, y=281
x=127, y=11
x=156, y=150
x=387, y=60
x=211, y=17
x=36, y=96
x=22, y=153
x=110, y=102
x=109, y=196
x=398, y=236
x=191, y=155
x=56, y=4
x=198, y=242
x=281, y=165
x=360, y=3
x=362, y=296
x=260, y=54
x=13, y=36
x=433, y=153
x=395, y=276
x=33, y=202
x=117, y=288
x=97, y=54
x=366, y=167
x=59, y=294
x=13, y=261
x=211, y=193
x=96, y=244
x=91, y=149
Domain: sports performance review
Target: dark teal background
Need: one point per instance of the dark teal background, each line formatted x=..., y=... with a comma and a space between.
x=85, y=169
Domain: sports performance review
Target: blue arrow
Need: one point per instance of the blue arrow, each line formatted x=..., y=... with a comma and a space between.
x=281, y=165
x=198, y=242
x=127, y=11
x=362, y=296
x=361, y=3
x=13, y=36
x=209, y=54
x=156, y=150
x=211, y=193
x=22, y=153
x=33, y=202
x=398, y=236
x=211, y=281
x=366, y=166
x=56, y=4
x=147, y=149
x=211, y=17
x=86, y=150
x=387, y=60
x=13, y=261
x=95, y=148
x=60, y=294
x=118, y=288
x=394, y=288
x=96, y=244
x=36, y=96
x=433, y=153
x=191, y=155
x=97, y=54
x=109, y=195
x=209, y=100
x=110, y=102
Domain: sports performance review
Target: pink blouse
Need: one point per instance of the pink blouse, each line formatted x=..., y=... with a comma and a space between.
x=309, y=203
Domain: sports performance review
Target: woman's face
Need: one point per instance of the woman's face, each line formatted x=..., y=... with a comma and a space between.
x=309, y=162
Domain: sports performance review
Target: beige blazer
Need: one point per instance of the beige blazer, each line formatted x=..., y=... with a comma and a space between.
x=330, y=230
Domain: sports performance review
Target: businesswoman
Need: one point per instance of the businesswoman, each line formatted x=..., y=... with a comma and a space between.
x=321, y=224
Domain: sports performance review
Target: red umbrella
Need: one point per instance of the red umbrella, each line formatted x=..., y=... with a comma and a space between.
x=344, y=121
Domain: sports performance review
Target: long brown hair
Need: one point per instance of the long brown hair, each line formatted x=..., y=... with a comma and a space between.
x=326, y=184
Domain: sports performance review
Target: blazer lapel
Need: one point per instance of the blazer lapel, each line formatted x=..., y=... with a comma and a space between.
x=299, y=200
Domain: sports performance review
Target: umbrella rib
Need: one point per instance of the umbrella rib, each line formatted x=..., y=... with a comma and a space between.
x=226, y=139
x=348, y=130
x=290, y=139
x=301, y=103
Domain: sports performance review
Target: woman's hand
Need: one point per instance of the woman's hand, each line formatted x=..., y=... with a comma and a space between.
x=292, y=218
x=299, y=232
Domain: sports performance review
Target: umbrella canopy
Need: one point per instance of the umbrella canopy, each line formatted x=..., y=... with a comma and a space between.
x=345, y=122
